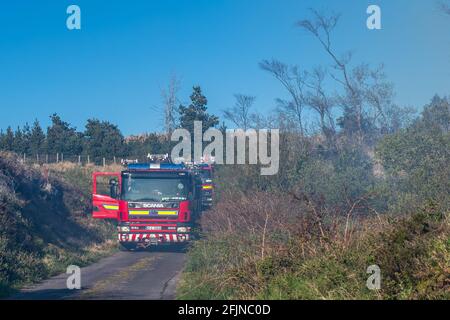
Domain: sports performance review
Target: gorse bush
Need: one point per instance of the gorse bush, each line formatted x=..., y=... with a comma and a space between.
x=414, y=255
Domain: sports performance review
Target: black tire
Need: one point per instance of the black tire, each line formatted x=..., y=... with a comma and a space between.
x=126, y=246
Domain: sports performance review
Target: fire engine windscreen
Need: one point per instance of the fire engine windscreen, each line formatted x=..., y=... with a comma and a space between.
x=142, y=188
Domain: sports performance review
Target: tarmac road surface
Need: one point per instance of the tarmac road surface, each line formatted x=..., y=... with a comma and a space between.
x=125, y=275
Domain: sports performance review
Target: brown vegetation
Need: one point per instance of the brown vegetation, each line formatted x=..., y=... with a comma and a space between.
x=45, y=222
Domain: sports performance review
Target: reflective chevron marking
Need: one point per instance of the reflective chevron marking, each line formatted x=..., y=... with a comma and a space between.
x=163, y=237
x=110, y=207
x=139, y=212
x=167, y=212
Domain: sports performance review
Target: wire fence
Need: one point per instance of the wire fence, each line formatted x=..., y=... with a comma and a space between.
x=81, y=160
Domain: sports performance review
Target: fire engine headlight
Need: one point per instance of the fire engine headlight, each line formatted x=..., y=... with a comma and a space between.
x=125, y=229
x=182, y=229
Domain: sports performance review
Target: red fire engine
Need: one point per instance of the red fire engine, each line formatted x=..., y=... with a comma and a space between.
x=154, y=203
x=206, y=172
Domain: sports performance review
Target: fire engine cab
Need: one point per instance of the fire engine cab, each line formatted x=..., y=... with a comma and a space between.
x=154, y=203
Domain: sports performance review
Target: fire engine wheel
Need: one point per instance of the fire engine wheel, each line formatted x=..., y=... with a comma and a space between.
x=128, y=246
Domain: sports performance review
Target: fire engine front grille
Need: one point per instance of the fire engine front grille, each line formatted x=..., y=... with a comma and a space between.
x=151, y=221
x=152, y=228
x=140, y=218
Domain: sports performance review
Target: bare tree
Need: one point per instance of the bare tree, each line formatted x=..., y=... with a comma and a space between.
x=307, y=91
x=294, y=81
x=445, y=7
x=239, y=114
x=170, y=102
x=321, y=27
x=321, y=102
x=365, y=94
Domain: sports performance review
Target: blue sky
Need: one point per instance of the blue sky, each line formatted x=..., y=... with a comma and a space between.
x=115, y=66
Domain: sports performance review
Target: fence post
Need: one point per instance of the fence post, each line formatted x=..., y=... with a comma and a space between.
x=114, y=159
x=57, y=157
x=46, y=158
x=104, y=162
x=62, y=157
x=88, y=161
x=79, y=160
x=37, y=157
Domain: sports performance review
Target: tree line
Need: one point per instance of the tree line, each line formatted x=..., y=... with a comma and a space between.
x=102, y=139
x=99, y=139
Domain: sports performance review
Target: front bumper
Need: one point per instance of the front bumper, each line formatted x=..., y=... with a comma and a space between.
x=153, y=238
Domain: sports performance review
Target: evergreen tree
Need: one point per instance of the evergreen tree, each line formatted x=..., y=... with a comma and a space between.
x=37, y=139
x=2, y=140
x=436, y=115
x=26, y=134
x=18, y=146
x=102, y=139
x=196, y=111
x=62, y=138
x=8, y=143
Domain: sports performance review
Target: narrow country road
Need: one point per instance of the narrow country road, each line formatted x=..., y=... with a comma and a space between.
x=124, y=275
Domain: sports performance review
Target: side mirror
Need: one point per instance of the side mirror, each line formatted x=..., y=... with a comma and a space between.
x=113, y=188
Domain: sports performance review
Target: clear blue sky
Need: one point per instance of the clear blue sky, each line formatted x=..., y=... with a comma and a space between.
x=116, y=65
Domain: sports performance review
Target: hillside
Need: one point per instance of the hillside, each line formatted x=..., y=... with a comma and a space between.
x=332, y=211
x=45, y=223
